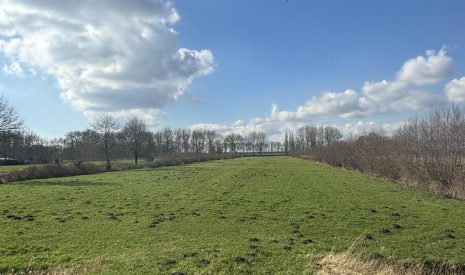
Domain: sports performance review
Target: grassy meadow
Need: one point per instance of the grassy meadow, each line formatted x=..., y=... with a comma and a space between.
x=246, y=215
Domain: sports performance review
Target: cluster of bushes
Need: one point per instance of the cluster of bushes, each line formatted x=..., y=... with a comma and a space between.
x=426, y=152
x=63, y=170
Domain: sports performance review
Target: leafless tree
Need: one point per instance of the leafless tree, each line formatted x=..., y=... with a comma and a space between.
x=9, y=118
x=106, y=128
x=261, y=142
x=198, y=141
x=10, y=123
x=186, y=135
x=135, y=133
x=210, y=136
x=331, y=135
x=178, y=141
x=286, y=143
x=168, y=141
x=158, y=141
x=233, y=141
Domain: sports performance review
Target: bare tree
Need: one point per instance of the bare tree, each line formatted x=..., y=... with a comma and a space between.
x=168, y=140
x=106, y=128
x=331, y=135
x=233, y=141
x=198, y=141
x=253, y=141
x=186, y=135
x=158, y=138
x=262, y=142
x=9, y=118
x=286, y=143
x=10, y=123
x=135, y=133
x=178, y=141
x=210, y=137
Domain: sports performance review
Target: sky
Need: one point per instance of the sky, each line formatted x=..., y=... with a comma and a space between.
x=267, y=65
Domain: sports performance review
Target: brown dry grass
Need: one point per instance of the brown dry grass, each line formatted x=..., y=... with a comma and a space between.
x=85, y=268
x=349, y=263
x=346, y=263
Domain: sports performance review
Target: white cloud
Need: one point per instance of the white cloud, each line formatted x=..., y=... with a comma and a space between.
x=455, y=90
x=425, y=70
x=406, y=93
x=345, y=104
x=403, y=92
x=363, y=127
x=107, y=56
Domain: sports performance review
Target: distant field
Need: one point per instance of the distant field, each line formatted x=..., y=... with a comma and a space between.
x=10, y=168
x=246, y=215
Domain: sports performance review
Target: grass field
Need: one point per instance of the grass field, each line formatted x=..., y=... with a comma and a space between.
x=11, y=168
x=246, y=215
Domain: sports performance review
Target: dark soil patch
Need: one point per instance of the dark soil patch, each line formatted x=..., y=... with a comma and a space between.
x=253, y=246
x=203, y=262
x=168, y=262
x=14, y=217
x=240, y=260
x=385, y=231
x=112, y=216
x=190, y=254
x=368, y=237
x=396, y=226
x=254, y=239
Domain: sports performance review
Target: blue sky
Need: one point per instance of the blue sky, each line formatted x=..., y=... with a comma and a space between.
x=262, y=53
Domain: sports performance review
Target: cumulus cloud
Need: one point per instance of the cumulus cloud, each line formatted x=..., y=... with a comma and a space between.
x=405, y=93
x=429, y=69
x=455, y=90
x=345, y=104
x=118, y=56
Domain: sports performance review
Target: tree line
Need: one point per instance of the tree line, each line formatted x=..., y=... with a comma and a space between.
x=427, y=151
x=309, y=137
x=107, y=140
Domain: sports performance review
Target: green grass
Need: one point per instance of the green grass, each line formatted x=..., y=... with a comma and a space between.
x=212, y=210
x=10, y=168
